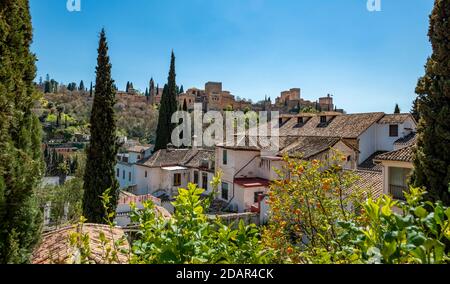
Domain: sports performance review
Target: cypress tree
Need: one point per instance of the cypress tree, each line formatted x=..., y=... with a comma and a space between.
x=415, y=110
x=90, y=90
x=397, y=109
x=102, y=151
x=167, y=109
x=432, y=159
x=81, y=87
x=21, y=164
x=127, y=87
x=181, y=89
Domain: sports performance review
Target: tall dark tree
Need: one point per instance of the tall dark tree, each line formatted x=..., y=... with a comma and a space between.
x=167, y=109
x=432, y=159
x=185, y=107
x=127, y=87
x=397, y=109
x=81, y=87
x=47, y=88
x=21, y=166
x=102, y=151
x=181, y=89
x=91, y=90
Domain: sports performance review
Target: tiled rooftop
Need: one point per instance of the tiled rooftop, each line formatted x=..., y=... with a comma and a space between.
x=406, y=141
x=55, y=246
x=403, y=155
x=395, y=118
x=308, y=147
x=371, y=182
x=343, y=126
x=370, y=165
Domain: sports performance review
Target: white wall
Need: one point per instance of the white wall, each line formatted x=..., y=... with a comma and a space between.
x=386, y=143
x=236, y=161
x=245, y=197
x=125, y=182
x=368, y=143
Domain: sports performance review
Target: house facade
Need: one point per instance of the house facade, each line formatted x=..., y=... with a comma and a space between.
x=397, y=167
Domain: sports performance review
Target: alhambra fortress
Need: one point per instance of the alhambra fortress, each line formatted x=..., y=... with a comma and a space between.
x=214, y=98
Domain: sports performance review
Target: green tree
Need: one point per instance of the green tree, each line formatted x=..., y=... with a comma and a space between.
x=432, y=159
x=167, y=109
x=306, y=204
x=397, y=109
x=102, y=151
x=91, y=90
x=185, y=107
x=81, y=87
x=21, y=166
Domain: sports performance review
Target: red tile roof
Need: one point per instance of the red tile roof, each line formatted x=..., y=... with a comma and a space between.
x=55, y=246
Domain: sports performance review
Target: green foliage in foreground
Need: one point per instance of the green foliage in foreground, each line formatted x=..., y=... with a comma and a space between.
x=190, y=237
x=418, y=235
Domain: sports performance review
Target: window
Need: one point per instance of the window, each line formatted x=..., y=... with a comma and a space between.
x=129, y=176
x=177, y=180
x=393, y=130
x=323, y=119
x=205, y=181
x=300, y=120
x=196, y=177
x=225, y=157
x=224, y=191
x=257, y=194
x=118, y=173
x=146, y=174
x=123, y=174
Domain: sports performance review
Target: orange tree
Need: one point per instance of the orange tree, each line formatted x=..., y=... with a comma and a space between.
x=306, y=205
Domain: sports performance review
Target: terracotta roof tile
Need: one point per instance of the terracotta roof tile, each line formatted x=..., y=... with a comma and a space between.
x=370, y=181
x=403, y=155
x=55, y=246
x=343, y=126
x=308, y=147
x=406, y=141
x=395, y=118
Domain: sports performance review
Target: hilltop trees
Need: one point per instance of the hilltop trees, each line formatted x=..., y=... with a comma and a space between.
x=432, y=161
x=21, y=165
x=167, y=109
x=101, y=153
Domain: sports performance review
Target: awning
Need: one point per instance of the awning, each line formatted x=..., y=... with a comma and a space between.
x=174, y=169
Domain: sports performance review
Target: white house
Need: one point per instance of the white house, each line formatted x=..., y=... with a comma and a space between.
x=397, y=167
x=167, y=170
x=247, y=171
x=125, y=167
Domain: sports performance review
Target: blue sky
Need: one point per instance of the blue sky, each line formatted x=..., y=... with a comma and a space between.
x=368, y=60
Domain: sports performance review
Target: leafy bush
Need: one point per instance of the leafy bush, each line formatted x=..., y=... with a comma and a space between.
x=417, y=233
x=190, y=237
x=306, y=205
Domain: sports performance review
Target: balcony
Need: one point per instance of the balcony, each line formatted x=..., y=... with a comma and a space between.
x=398, y=192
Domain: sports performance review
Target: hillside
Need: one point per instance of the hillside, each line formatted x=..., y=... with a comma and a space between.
x=66, y=114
